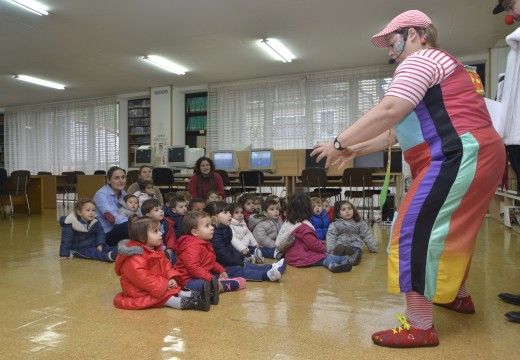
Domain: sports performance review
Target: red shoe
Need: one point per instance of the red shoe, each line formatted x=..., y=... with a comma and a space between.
x=463, y=305
x=405, y=336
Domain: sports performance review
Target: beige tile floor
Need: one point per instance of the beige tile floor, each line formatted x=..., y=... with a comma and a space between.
x=53, y=309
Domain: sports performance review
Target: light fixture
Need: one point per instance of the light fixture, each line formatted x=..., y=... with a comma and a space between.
x=40, y=82
x=32, y=6
x=165, y=64
x=278, y=49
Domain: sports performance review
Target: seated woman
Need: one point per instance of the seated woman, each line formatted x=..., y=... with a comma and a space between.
x=205, y=179
x=145, y=173
x=108, y=200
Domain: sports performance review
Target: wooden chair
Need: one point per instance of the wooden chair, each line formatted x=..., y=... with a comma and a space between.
x=20, y=179
x=360, y=186
x=317, y=178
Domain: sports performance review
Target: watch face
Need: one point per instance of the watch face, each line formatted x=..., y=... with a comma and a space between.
x=337, y=144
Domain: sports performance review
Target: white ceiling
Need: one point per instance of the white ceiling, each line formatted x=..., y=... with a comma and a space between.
x=95, y=47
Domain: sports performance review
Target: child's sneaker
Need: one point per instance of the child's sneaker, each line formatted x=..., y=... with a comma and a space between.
x=356, y=258
x=338, y=268
x=278, y=254
x=463, y=305
x=214, y=291
x=273, y=274
x=197, y=301
x=111, y=256
x=258, y=256
x=405, y=336
x=248, y=260
x=233, y=284
x=281, y=266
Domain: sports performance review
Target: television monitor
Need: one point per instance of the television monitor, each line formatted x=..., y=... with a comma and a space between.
x=225, y=160
x=183, y=156
x=310, y=161
x=396, y=166
x=177, y=156
x=372, y=161
x=262, y=159
x=143, y=156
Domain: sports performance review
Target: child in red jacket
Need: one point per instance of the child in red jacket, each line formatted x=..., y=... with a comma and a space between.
x=152, y=208
x=147, y=277
x=197, y=264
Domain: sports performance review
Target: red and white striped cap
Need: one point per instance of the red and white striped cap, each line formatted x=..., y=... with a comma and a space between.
x=410, y=18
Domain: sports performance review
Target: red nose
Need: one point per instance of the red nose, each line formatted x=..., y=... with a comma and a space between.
x=509, y=20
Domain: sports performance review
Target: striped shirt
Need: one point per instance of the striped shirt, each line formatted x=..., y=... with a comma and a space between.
x=419, y=72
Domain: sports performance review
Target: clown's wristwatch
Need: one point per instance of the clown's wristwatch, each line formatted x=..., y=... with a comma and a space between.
x=337, y=145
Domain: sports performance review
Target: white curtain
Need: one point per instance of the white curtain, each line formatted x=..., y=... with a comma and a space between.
x=72, y=136
x=292, y=112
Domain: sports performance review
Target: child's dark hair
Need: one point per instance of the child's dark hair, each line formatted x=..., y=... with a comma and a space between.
x=144, y=184
x=195, y=201
x=337, y=209
x=149, y=205
x=185, y=194
x=138, y=227
x=267, y=203
x=212, y=192
x=299, y=208
x=273, y=197
x=129, y=196
x=216, y=207
x=191, y=220
x=175, y=200
x=81, y=202
x=245, y=198
x=233, y=206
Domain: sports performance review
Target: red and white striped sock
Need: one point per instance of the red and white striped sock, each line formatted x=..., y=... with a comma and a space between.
x=462, y=291
x=419, y=311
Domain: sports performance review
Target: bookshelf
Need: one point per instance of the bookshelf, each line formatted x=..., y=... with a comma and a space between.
x=196, y=119
x=138, y=126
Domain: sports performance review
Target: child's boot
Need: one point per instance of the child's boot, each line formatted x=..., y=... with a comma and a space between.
x=214, y=291
x=196, y=301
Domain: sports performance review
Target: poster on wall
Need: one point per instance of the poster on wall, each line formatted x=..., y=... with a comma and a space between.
x=511, y=216
x=160, y=145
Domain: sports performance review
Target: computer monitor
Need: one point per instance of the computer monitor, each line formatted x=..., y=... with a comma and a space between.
x=177, y=156
x=396, y=166
x=143, y=156
x=192, y=155
x=262, y=159
x=372, y=161
x=225, y=160
x=310, y=161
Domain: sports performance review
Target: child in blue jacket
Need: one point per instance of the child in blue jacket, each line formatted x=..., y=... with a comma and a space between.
x=82, y=235
x=319, y=218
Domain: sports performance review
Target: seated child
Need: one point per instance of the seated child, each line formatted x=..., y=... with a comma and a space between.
x=213, y=196
x=152, y=208
x=129, y=206
x=243, y=239
x=348, y=232
x=257, y=205
x=177, y=208
x=232, y=259
x=300, y=243
x=145, y=192
x=319, y=218
x=196, y=204
x=274, y=197
x=247, y=203
x=196, y=264
x=82, y=236
x=147, y=277
x=329, y=209
x=266, y=227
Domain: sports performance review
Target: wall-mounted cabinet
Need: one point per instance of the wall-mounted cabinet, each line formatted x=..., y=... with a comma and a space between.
x=138, y=126
x=196, y=119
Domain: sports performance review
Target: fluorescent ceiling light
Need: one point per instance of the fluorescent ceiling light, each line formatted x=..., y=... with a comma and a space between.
x=32, y=6
x=278, y=49
x=40, y=82
x=165, y=64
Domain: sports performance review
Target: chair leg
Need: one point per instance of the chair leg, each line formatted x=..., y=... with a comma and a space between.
x=3, y=206
x=28, y=206
x=11, y=209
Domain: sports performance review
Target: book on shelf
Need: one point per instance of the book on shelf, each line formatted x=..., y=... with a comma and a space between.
x=196, y=123
x=196, y=104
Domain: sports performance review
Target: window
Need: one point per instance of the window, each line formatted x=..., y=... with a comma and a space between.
x=293, y=112
x=80, y=135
